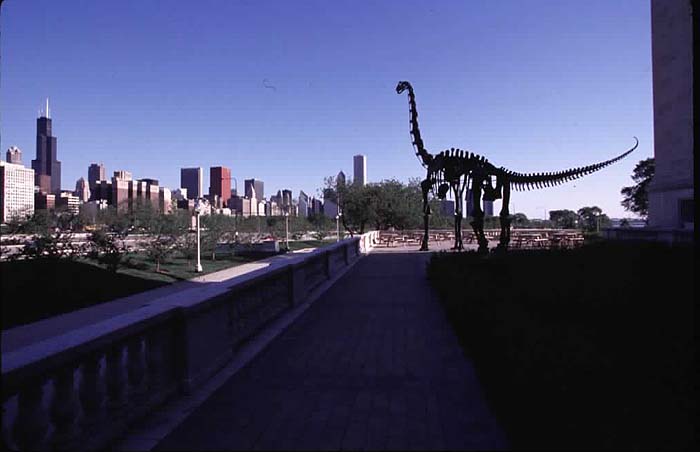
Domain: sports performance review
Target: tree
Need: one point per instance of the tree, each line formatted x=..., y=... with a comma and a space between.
x=636, y=197
x=164, y=232
x=107, y=248
x=593, y=218
x=520, y=220
x=563, y=219
x=217, y=228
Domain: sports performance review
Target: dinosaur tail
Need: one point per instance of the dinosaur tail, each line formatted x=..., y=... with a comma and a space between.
x=521, y=181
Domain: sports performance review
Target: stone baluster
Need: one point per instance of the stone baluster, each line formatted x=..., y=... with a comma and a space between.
x=64, y=410
x=156, y=362
x=91, y=396
x=116, y=383
x=32, y=424
x=136, y=369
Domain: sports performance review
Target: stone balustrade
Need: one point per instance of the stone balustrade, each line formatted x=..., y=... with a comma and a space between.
x=82, y=389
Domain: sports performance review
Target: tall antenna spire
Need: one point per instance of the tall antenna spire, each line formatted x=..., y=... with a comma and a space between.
x=47, y=109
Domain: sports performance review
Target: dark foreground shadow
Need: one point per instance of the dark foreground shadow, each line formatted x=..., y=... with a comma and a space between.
x=584, y=349
x=37, y=289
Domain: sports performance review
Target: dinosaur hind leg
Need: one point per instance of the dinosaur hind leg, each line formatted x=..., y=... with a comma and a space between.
x=505, y=219
x=425, y=188
x=458, y=220
x=478, y=222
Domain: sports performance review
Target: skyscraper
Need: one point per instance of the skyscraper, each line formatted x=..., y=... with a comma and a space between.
x=303, y=204
x=16, y=192
x=120, y=190
x=219, y=184
x=340, y=179
x=360, y=167
x=192, y=179
x=254, y=184
x=286, y=198
x=14, y=155
x=45, y=163
x=82, y=191
x=96, y=172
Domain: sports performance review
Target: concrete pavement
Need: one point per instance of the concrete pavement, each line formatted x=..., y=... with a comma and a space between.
x=372, y=364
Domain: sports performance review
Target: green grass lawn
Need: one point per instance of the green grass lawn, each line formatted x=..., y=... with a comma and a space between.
x=175, y=268
x=36, y=289
x=579, y=349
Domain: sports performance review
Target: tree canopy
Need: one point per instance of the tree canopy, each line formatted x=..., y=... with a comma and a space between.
x=636, y=197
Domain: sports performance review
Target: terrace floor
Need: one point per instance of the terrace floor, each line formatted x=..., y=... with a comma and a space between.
x=372, y=364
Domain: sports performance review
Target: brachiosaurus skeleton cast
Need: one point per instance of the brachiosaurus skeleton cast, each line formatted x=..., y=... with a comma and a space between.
x=457, y=170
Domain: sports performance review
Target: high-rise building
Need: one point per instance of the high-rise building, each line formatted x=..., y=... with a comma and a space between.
x=316, y=207
x=16, y=191
x=286, y=198
x=102, y=192
x=179, y=194
x=360, y=167
x=671, y=191
x=192, y=179
x=96, y=172
x=44, y=201
x=14, y=155
x=165, y=202
x=254, y=188
x=303, y=204
x=121, y=186
x=123, y=175
x=219, y=185
x=82, y=190
x=68, y=201
x=340, y=179
x=46, y=163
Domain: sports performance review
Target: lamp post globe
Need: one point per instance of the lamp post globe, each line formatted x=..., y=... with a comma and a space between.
x=337, y=226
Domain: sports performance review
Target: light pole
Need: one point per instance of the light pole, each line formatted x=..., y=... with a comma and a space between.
x=198, y=212
x=286, y=228
x=337, y=226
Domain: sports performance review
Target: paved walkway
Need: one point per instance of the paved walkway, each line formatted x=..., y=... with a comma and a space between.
x=373, y=364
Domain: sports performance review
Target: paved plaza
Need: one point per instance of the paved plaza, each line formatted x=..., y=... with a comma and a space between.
x=372, y=364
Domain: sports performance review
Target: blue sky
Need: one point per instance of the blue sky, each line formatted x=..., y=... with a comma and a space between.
x=289, y=91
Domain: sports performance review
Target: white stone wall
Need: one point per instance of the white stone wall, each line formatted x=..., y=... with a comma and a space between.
x=671, y=25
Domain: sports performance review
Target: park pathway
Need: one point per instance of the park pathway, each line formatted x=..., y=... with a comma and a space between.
x=372, y=364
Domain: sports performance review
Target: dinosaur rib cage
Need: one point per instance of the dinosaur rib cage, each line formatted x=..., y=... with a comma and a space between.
x=521, y=181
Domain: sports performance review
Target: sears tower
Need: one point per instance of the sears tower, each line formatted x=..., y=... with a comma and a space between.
x=47, y=170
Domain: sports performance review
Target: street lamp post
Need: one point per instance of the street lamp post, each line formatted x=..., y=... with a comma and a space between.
x=286, y=229
x=198, y=212
x=337, y=226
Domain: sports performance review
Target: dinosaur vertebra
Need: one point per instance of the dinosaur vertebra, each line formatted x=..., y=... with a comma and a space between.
x=455, y=169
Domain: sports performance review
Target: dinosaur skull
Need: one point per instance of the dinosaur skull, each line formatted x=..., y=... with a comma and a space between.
x=401, y=87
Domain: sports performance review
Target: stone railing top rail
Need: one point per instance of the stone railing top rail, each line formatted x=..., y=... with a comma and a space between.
x=34, y=359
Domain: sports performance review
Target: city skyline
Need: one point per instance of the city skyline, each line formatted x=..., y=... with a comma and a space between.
x=505, y=89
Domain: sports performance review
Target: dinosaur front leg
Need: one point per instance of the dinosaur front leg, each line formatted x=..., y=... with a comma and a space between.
x=425, y=188
x=505, y=219
x=478, y=222
x=457, y=225
x=458, y=220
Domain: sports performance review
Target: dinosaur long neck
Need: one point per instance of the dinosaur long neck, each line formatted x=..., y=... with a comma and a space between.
x=415, y=131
